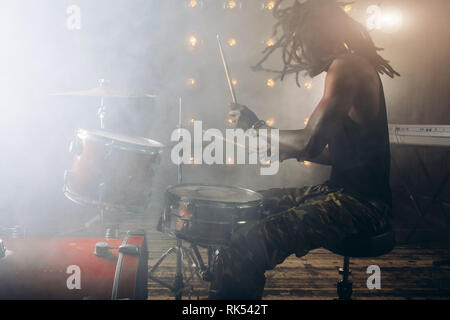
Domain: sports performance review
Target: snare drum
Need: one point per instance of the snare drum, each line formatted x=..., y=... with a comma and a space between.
x=208, y=215
x=111, y=169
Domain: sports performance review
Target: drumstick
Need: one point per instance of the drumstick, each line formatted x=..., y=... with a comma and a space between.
x=227, y=71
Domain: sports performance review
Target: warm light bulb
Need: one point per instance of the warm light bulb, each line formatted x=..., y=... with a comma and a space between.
x=192, y=3
x=307, y=163
x=232, y=42
x=190, y=82
x=234, y=82
x=231, y=4
x=193, y=41
x=308, y=85
x=270, y=83
x=306, y=121
x=270, y=5
x=347, y=8
x=270, y=122
x=270, y=42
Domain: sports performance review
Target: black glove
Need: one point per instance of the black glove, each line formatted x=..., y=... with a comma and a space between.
x=241, y=116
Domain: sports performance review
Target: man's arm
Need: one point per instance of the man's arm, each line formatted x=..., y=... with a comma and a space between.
x=324, y=158
x=341, y=86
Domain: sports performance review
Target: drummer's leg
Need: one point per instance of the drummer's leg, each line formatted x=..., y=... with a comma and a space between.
x=321, y=222
x=281, y=199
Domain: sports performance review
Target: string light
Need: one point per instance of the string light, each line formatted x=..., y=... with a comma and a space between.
x=230, y=4
x=229, y=160
x=306, y=121
x=231, y=42
x=270, y=122
x=191, y=82
x=270, y=42
x=193, y=42
x=191, y=160
x=234, y=82
x=270, y=83
x=307, y=163
x=192, y=3
x=347, y=8
x=268, y=5
x=308, y=85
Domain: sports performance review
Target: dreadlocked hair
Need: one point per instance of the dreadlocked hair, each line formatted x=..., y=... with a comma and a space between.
x=315, y=22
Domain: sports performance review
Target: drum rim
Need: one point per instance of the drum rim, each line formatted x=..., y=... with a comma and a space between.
x=252, y=203
x=115, y=207
x=91, y=134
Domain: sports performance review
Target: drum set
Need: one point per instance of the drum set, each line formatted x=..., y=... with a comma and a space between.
x=112, y=171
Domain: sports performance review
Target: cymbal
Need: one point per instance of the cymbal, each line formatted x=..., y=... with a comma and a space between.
x=104, y=92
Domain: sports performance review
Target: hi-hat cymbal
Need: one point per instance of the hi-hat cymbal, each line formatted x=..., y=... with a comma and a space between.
x=104, y=92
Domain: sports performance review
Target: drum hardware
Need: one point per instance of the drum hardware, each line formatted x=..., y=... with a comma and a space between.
x=16, y=231
x=2, y=249
x=112, y=232
x=102, y=249
x=181, y=285
x=130, y=249
x=191, y=255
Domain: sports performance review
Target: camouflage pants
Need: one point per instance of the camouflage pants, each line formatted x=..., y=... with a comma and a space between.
x=299, y=220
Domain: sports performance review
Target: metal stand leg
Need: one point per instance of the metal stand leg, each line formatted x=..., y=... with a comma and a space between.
x=344, y=286
x=181, y=284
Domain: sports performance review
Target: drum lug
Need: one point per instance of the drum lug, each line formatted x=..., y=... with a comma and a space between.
x=68, y=177
x=2, y=249
x=76, y=147
x=138, y=232
x=102, y=249
x=109, y=150
x=130, y=249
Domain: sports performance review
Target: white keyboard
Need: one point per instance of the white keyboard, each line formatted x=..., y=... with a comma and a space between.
x=420, y=135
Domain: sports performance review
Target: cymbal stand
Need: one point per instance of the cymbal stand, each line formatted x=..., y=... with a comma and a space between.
x=102, y=109
x=190, y=255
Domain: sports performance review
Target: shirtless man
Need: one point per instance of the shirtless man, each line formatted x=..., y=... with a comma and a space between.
x=347, y=130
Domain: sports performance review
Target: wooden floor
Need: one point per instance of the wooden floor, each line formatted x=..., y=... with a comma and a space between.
x=408, y=272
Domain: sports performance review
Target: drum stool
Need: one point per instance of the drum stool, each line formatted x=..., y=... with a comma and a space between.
x=361, y=247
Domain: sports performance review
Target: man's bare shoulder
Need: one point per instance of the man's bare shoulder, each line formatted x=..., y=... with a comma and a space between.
x=353, y=66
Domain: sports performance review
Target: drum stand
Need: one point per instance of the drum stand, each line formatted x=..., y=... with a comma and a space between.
x=181, y=284
x=196, y=266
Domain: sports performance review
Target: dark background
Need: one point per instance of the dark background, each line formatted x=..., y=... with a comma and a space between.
x=140, y=46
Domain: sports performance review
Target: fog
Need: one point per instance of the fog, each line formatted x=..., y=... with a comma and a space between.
x=141, y=46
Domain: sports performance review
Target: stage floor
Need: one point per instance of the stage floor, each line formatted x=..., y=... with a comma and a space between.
x=408, y=272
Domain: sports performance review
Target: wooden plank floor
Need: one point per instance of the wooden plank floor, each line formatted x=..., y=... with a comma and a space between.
x=408, y=272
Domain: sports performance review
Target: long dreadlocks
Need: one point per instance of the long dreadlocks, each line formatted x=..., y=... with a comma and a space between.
x=319, y=24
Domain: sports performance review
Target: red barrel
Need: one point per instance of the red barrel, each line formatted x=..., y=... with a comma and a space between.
x=74, y=268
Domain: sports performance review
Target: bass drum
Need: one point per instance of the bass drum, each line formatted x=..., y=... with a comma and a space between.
x=74, y=268
x=112, y=170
